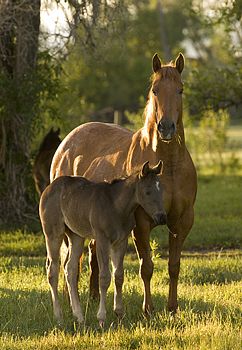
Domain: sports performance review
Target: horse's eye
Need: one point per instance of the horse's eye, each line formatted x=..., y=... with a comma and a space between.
x=180, y=91
x=147, y=193
x=154, y=92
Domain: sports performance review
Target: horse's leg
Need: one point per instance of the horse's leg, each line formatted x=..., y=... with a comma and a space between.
x=117, y=257
x=103, y=247
x=76, y=244
x=53, y=245
x=94, y=270
x=141, y=236
x=177, y=236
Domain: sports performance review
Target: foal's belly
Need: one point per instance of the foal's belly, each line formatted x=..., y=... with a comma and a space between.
x=80, y=226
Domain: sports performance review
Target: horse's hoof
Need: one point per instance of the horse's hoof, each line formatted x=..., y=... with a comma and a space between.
x=148, y=310
x=172, y=310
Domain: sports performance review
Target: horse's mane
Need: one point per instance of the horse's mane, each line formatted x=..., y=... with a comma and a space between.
x=149, y=130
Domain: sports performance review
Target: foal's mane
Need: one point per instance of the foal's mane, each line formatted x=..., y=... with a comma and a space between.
x=134, y=173
x=149, y=130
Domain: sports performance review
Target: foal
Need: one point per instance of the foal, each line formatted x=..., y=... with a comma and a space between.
x=83, y=209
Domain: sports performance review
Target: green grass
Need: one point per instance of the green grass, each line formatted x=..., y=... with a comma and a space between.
x=209, y=315
x=218, y=215
x=209, y=292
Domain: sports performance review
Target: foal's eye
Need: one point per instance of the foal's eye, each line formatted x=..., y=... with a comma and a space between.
x=180, y=91
x=154, y=92
x=148, y=193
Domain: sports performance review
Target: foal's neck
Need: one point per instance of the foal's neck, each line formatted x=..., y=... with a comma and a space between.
x=124, y=196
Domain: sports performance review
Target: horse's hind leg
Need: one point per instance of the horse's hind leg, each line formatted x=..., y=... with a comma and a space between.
x=117, y=257
x=76, y=244
x=53, y=245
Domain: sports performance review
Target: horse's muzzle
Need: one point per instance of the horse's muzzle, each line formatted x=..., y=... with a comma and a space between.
x=166, y=130
x=160, y=219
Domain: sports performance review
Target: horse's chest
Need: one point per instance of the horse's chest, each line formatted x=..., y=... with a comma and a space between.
x=176, y=197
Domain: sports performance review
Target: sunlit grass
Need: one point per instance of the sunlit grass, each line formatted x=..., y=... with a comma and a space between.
x=208, y=318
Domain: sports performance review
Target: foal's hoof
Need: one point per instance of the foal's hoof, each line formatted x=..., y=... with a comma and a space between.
x=94, y=295
x=101, y=323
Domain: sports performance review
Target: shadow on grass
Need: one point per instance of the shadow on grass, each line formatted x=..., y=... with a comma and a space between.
x=29, y=313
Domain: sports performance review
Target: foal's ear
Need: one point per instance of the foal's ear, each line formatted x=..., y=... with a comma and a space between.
x=158, y=169
x=180, y=61
x=156, y=63
x=145, y=169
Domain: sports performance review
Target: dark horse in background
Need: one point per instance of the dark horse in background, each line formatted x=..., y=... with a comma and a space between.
x=43, y=159
x=106, y=151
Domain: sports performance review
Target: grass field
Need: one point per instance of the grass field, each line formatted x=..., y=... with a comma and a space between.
x=209, y=289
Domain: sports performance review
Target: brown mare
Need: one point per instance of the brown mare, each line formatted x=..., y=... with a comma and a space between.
x=78, y=208
x=105, y=151
x=43, y=159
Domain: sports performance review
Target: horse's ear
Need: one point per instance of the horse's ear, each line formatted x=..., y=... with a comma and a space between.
x=158, y=169
x=180, y=61
x=156, y=63
x=145, y=169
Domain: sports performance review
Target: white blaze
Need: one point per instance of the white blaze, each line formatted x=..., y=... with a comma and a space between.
x=157, y=185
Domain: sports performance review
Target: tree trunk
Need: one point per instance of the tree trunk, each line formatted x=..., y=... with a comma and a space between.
x=19, y=31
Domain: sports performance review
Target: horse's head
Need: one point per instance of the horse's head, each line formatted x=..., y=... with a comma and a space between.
x=166, y=94
x=150, y=192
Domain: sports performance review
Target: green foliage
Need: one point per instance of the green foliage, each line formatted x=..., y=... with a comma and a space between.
x=115, y=71
x=208, y=142
x=214, y=86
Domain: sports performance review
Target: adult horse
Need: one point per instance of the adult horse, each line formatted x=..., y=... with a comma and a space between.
x=106, y=151
x=43, y=159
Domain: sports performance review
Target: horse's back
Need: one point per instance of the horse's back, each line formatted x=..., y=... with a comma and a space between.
x=86, y=145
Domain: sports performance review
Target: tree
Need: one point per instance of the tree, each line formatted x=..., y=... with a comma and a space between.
x=19, y=31
x=215, y=81
x=28, y=81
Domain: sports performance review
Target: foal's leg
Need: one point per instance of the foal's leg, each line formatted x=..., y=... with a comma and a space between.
x=117, y=257
x=177, y=236
x=103, y=248
x=141, y=236
x=94, y=270
x=53, y=245
x=76, y=244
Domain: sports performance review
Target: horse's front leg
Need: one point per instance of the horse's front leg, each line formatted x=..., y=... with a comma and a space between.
x=177, y=236
x=141, y=236
x=117, y=257
x=103, y=250
x=94, y=270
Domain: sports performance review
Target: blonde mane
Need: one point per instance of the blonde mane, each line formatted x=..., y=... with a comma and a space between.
x=149, y=130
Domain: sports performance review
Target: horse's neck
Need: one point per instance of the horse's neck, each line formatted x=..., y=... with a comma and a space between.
x=172, y=153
